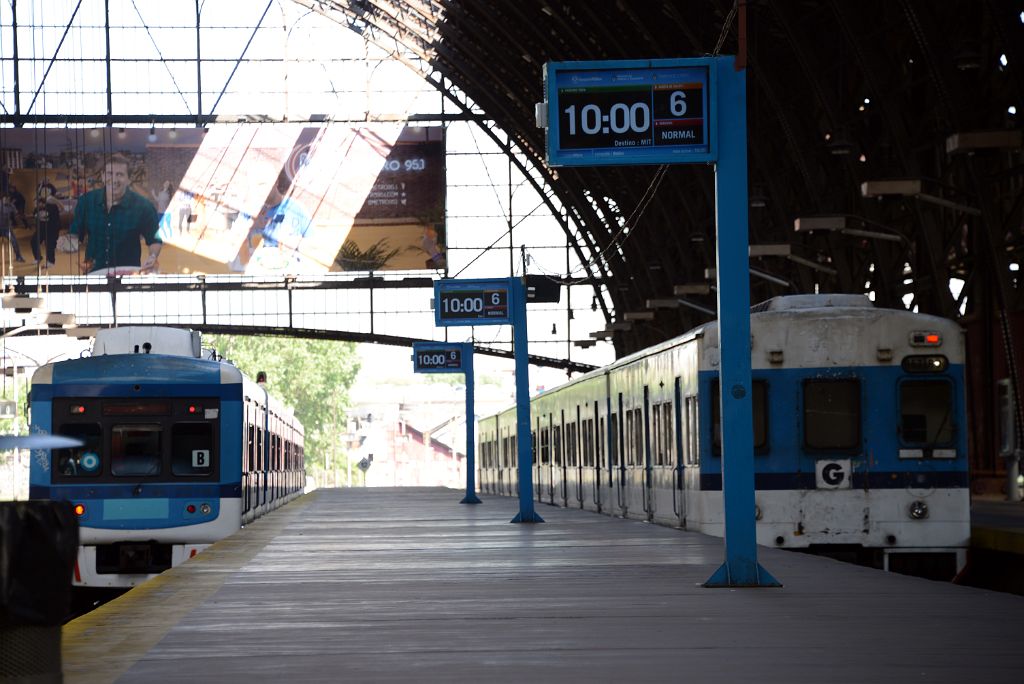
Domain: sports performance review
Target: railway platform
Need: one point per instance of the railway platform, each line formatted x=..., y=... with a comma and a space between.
x=996, y=557
x=406, y=585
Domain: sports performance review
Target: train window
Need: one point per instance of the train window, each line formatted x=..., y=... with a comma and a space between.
x=251, y=448
x=690, y=444
x=574, y=440
x=556, y=437
x=570, y=444
x=926, y=410
x=588, y=442
x=629, y=438
x=135, y=450
x=192, y=451
x=832, y=414
x=666, y=434
x=83, y=461
x=614, y=439
x=639, y=437
x=760, y=411
x=545, y=447
x=656, y=434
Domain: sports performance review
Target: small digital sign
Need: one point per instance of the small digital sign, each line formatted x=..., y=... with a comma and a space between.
x=437, y=358
x=472, y=302
x=629, y=112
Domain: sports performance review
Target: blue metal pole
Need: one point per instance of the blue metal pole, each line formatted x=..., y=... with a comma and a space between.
x=741, y=568
x=523, y=452
x=467, y=363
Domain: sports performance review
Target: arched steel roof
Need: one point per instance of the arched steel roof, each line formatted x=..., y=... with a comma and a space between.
x=839, y=94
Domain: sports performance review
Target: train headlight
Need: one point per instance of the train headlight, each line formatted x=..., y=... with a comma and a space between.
x=918, y=510
x=79, y=509
x=205, y=509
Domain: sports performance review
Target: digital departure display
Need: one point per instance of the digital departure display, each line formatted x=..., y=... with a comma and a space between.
x=472, y=306
x=437, y=359
x=630, y=112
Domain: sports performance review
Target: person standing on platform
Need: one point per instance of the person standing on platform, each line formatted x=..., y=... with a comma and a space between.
x=112, y=220
x=7, y=226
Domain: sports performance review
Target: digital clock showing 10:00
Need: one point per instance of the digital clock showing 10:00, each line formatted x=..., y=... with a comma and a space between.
x=473, y=304
x=628, y=112
x=439, y=358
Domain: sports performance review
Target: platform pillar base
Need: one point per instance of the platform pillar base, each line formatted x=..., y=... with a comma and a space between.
x=529, y=517
x=745, y=575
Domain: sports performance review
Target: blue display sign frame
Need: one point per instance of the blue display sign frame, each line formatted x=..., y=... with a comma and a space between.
x=465, y=354
x=613, y=92
x=515, y=298
x=453, y=353
x=629, y=112
x=473, y=302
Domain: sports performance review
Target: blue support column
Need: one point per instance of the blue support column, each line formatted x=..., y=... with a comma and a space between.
x=741, y=568
x=467, y=361
x=523, y=451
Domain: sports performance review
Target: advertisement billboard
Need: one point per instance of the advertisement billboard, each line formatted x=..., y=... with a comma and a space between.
x=260, y=199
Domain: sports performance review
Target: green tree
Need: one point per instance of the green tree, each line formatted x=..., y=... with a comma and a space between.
x=311, y=376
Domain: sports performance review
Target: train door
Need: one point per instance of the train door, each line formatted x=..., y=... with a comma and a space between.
x=649, y=422
x=692, y=446
x=558, y=460
x=678, y=490
x=248, y=458
x=513, y=459
x=599, y=440
x=579, y=455
x=663, y=496
x=502, y=460
x=544, y=462
x=644, y=460
x=261, y=456
x=634, y=487
x=572, y=461
x=620, y=457
x=511, y=463
x=536, y=462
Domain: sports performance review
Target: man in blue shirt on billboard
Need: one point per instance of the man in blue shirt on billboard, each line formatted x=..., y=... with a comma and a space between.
x=113, y=219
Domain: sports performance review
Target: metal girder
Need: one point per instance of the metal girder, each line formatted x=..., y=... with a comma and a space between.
x=891, y=78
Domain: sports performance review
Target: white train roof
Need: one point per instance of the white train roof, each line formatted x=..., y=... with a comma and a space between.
x=148, y=339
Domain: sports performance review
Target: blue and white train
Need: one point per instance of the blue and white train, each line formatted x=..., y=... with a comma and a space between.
x=180, y=449
x=859, y=433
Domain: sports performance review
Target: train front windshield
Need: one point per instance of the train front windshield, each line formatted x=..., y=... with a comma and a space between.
x=170, y=439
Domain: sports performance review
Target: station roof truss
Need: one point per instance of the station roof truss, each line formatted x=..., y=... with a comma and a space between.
x=843, y=98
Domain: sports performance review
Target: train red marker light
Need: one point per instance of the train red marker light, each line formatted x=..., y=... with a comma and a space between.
x=192, y=409
x=922, y=338
x=77, y=409
x=191, y=508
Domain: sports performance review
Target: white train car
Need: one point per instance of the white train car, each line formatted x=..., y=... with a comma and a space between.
x=860, y=441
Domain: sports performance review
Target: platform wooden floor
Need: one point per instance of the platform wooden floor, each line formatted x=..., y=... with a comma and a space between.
x=406, y=585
